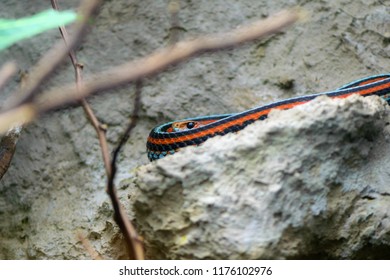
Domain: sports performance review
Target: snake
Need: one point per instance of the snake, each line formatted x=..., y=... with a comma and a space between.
x=169, y=138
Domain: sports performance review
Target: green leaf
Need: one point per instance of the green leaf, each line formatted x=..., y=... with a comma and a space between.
x=13, y=30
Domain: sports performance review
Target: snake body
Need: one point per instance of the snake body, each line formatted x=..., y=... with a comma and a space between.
x=170, y=137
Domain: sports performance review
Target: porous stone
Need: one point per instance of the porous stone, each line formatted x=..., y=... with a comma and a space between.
x=310, y=182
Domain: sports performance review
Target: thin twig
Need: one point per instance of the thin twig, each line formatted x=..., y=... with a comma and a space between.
x=99, y=128
x=133, y=241
x=7, y=148
x=45, y=67
x=101, y=133
x=162, y=59
x=6, y=72
x=147, y=66
x=10, y=139
x=135, y=248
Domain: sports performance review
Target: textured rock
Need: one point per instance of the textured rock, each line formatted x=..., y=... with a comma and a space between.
x=310, y=182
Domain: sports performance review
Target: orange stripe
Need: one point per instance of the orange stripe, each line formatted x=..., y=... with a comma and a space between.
x=365, y=91
x=372, y=81
x=256, y=116
x=220, y=128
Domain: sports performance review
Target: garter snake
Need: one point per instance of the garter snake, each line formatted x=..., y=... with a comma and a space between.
x=170, y=137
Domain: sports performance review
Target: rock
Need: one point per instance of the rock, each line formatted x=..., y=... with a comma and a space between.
x=310, y=182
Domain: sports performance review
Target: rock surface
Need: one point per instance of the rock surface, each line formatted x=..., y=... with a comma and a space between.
x=55, y=186
x=310, y=182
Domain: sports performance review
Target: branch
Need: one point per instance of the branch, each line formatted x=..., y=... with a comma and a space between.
x=99, y=128
x=49, y=62
x=7, y=148
x=162, y=59
x=9, y=140
x=152, y=64
x=133, y=241
x=135, y=248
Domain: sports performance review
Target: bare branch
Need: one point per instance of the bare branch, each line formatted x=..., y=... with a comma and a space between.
x=45, y=67
x=133, y=241
x=160, y=60
x=9, y=140
x=135, y=248
x=134, y=245
x=7, y=148
x=152, y=64
x=101, y=133
x=99, y=128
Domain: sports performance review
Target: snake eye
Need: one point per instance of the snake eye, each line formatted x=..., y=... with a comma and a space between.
x=190, y=125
